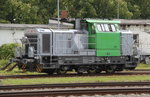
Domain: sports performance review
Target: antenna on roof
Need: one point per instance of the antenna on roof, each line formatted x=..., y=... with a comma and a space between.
x=58, y=13
x=118, y=10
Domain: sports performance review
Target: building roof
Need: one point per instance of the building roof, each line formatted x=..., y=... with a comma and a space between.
x=24, y=26
x=134, y=22
x=53, y=24
x=103, y=21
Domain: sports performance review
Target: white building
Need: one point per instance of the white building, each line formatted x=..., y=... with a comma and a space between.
x=142, y=29
x=10, y=32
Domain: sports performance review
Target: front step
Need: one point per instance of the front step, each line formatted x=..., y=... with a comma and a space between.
x=5, y=67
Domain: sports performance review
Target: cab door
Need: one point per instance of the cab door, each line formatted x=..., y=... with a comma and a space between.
x=92, y=36
x=107, y=40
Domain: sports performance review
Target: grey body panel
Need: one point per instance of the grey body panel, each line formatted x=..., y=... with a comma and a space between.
x=61, y=42
x=70, y=43
x=127, y=43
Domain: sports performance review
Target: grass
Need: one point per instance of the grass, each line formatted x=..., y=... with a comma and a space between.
x=75, y=80
x=143, y=66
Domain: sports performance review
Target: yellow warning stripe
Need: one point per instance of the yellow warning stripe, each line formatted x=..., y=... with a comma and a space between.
x=38, y=68
x=24, y=70
x=24, y=67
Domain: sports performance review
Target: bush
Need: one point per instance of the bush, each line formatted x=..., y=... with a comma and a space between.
x=7, y=51
x=3, y=63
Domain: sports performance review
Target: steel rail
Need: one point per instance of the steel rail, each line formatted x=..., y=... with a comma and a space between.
x=141, y=70
x=77, y=75
x=68, y=92
x=67, y=85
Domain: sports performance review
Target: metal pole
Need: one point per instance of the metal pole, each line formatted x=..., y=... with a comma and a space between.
x=58, y=13
x=118, y=10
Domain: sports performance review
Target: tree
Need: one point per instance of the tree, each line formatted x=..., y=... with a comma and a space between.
x=17, y=11
x=145, y=8
x=80, y=9
x=108, y=9
x=134, y=8
x=3, y=11
x=39, y=11
x=97, y=8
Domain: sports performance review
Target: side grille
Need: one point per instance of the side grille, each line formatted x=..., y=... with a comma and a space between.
x=46, y=43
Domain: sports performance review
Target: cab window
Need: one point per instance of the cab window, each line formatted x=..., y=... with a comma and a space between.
x=106, y=27
x=93, y=29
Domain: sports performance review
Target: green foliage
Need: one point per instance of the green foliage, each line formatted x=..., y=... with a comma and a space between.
x=39, y=11
x=7, y=51
x=3, y=63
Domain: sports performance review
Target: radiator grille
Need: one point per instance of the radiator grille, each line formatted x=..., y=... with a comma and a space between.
x=46, y=43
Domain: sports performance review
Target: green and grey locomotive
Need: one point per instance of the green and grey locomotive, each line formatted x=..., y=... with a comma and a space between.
x=94, y=46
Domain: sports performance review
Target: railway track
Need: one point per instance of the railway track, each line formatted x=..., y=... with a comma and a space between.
x=65, y=92
x=124, y=73
x=71, y=89
x=141, y=70
x=67, y=85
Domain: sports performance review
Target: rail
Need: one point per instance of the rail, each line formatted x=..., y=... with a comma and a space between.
x=75, y=91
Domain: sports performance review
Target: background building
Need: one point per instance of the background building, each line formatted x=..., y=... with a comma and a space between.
x=9, y=33
x=142, y=29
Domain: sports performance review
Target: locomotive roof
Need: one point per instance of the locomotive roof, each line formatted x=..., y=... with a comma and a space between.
x=37, y=30
x=103, y=21
x=66, y=31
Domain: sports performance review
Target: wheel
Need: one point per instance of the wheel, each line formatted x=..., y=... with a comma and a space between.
x=91, y=71
x=132, y=68
x=98, y=71
x=81, y=70
x=110, y=69
x=61, y=71
x=50, y=71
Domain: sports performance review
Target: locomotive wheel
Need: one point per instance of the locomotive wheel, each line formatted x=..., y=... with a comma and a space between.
x=49, y=72
x=61, y=71
x=110, y=69
x=91, y=71
x=81, y=70
x=98, y=71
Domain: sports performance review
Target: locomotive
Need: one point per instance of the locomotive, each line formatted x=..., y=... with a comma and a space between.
x=94, y=46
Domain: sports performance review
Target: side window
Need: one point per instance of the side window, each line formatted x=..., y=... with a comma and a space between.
x=106, y=27
x=93, y=29
x=103, y=28
x=84, y=26
x=99, y=27
x=113, y=28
